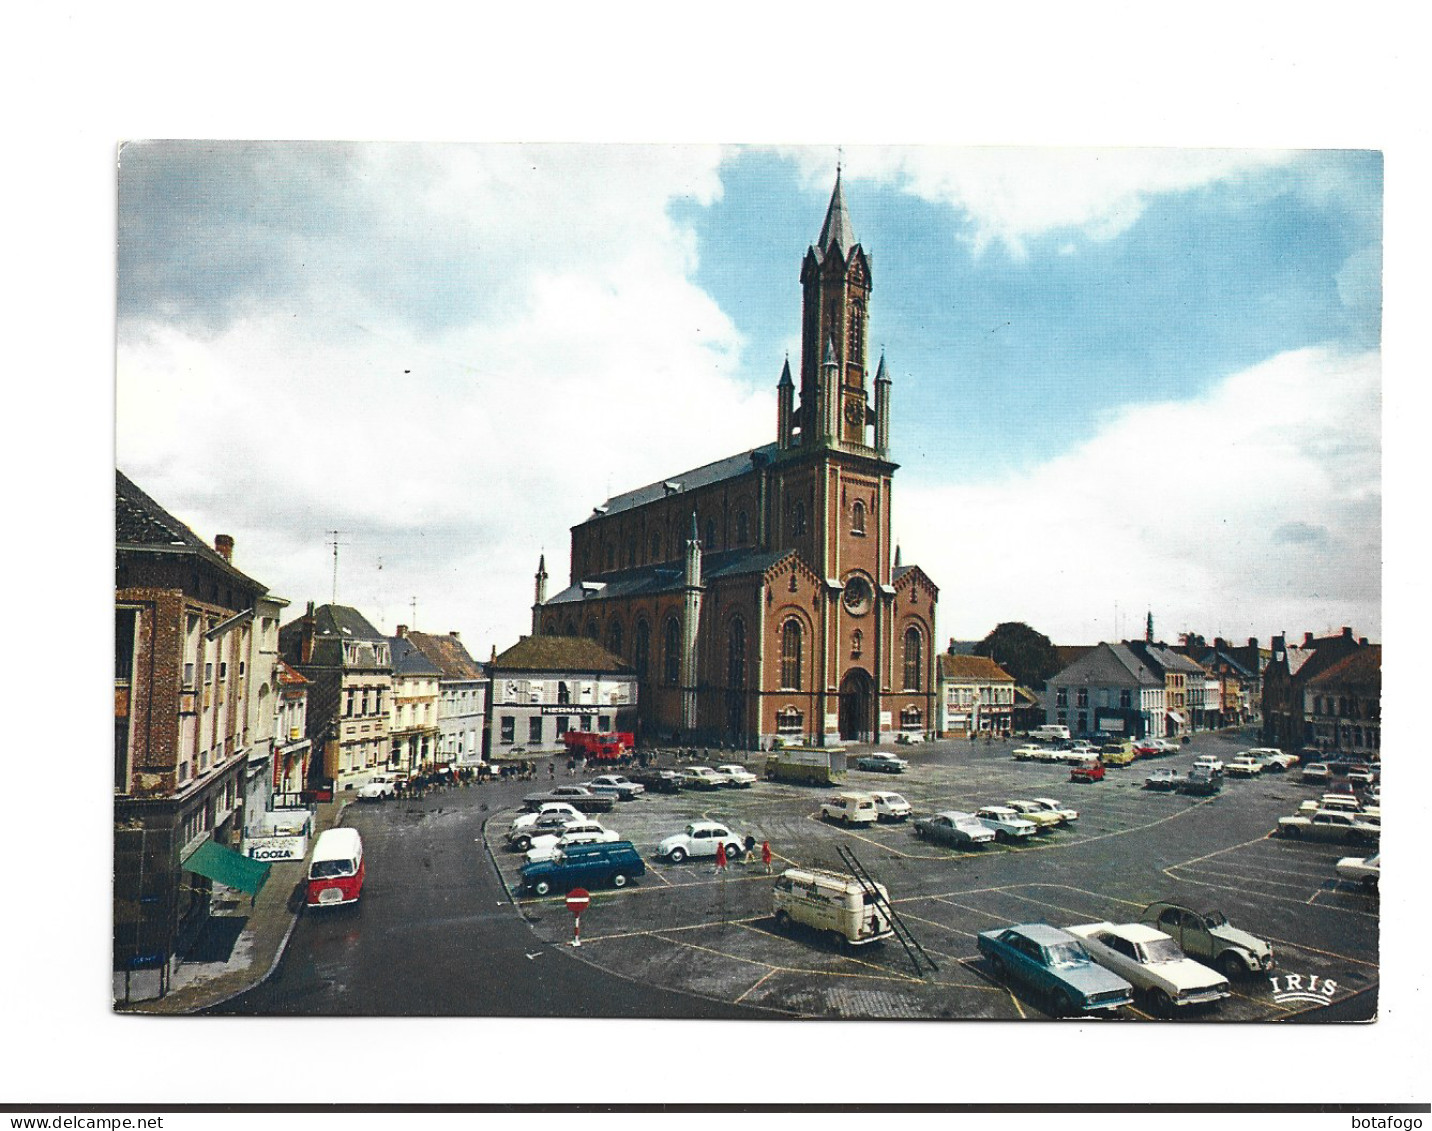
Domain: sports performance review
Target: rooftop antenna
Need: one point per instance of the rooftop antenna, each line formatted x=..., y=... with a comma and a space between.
x=414, y=605
x=333, y=538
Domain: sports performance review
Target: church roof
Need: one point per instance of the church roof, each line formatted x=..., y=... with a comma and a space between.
x=837, y=231
x=703, y=476
x=668, y=578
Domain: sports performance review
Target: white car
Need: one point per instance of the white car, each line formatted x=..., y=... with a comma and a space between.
x=702, y=777
x=378, y=788
x=525, y=820
x=1326, y=824
x=1272, y=759
x=737, y=775
x=1244, y=766
x=623, y=789
x=700, y=838
x=547, y=846
x=890, y=806
x=910, y=738
x=1333, y=803
x=1366, y=870
x=1153, y=962
x=1209, y=762
x=850, y=809
x=1029, y=753
x=1044, y=819
x=1050, y=805
x=1005, y=823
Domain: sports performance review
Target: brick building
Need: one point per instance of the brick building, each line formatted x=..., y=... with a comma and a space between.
x=1342, y=705
x=189, y=667
x=761, y=595
x=1286, y=677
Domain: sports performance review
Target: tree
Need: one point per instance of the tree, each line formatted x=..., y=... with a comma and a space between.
x=1027, y=655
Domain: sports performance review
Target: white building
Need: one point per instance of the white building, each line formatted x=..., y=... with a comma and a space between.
x=544, y=686
x=462, y=697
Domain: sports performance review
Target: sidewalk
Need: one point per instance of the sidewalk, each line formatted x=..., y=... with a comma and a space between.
x=260, y=944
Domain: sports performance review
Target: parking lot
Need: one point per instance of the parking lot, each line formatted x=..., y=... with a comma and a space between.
x=693, y=928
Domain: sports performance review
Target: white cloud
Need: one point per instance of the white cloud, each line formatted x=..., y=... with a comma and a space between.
x=438, y=449
x=1013, y=195
x=1254, y=509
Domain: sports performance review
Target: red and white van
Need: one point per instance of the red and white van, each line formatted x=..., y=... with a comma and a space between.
x=335, y=874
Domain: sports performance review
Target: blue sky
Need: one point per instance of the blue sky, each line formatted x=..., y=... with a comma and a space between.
x=1165, y=362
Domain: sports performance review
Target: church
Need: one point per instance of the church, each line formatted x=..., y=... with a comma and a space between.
x=760, y=596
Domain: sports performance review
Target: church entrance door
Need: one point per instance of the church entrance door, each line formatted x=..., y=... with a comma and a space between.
x=857, y=701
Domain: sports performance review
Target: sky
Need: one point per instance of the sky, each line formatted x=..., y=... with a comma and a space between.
x=1126, y=380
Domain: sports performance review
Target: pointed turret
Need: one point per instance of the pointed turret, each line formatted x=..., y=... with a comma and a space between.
x=837, y=231
x=882, y=409
x=785, y=407
x=539, y=592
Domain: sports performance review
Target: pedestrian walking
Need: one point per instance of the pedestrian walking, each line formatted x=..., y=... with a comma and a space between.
x=766, y=855
x=721, y=857
x=551, y=771
x=750, y=857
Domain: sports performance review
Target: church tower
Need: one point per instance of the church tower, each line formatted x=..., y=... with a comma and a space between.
x=834, y=391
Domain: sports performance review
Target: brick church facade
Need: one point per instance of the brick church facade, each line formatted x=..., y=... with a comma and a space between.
x=761, y=596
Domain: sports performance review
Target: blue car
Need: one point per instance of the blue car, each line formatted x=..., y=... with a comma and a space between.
x=1056, y=967
x=584, y=865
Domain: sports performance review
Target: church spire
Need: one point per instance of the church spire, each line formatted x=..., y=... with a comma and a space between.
x=837, y=231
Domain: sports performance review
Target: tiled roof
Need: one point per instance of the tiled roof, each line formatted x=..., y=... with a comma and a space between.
x=449, y=655
x=140, y=521
x=1108, y=663
x=1066, y=654
x=344, y=621
x=703, y=476
x=972, y=667
x=408, y=658
x=1362, y=670
x=558, y=654
x=290, y=676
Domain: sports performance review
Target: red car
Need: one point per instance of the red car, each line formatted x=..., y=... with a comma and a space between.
x=1092, y=770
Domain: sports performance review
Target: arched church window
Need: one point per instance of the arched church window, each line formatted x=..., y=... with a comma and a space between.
x=791, y=655
x=742, y=532
x=611, y=557
x=671, y=661
x=913, y=666
x=641, y=648
x=857, y=643
x=798, y=519
x=656, y=546
x=736, y=654
x=857, y=518
x=614, y=638
x=593, y=631
x=631, y=553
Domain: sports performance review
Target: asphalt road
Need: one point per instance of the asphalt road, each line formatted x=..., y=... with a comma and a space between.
x=439, y=934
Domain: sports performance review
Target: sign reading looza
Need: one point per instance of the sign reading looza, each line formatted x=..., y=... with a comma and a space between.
x=276, y=847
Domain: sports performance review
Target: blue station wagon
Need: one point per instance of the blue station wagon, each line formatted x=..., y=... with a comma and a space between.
x=584, y=865
x=1055, y=966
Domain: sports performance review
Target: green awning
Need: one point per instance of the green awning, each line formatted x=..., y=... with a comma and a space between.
x=227, y=867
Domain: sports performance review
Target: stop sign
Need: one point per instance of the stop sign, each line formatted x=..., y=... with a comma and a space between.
x=577, y=900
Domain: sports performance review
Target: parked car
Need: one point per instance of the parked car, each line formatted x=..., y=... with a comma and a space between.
x=737, y=775
x=1164, y=778
x=910, y=738
x=890, y=806
x=1366, y=870
x=620, y=787
x=1316, y=772
x=953, y=828
x=1055, y=966
x=834, y=904
x=1209, y=937
x=380, y=787
x=1005, y=823
x=1201, y=782
x=1359, y=774
x=700, y=838
x=1116, y=753
x=1325, y=824
x=658, y=781
x=1153, y=962
x=1209, y=762
x=577, y=795
x=1272, y=759
x=1043, y=819
x=880, y=762
x=522, y=820
x=584, y=865
x=1243, y=766
x=1029, y=753
x=701, y=777
x=1049, y=805
x=552, y=822
x=546, y=846
x=850, y=809
x=1090, y=771
x=1333, y=803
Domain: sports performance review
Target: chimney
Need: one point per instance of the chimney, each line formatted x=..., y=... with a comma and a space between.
x=1253, y=643
x=1307, y=640
x=1218, y=644
x=455, y=635
x=1362, y=641
x=224, y=544
x=305, y=643
x=1347, y=633
x=402, y=632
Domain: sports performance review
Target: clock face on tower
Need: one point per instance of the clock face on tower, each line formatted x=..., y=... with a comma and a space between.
x=854, y=412
x=858, y=595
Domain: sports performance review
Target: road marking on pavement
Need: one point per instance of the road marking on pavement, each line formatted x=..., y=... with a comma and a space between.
x=1241, y=877
x=1269, y=895
x=753, y=986
x=1287, y=944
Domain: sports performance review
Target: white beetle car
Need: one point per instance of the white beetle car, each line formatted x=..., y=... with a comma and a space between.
x=378, y=788
x=1005, y=823
x=547, y=846
x=1153, y=962
x=699, y=838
